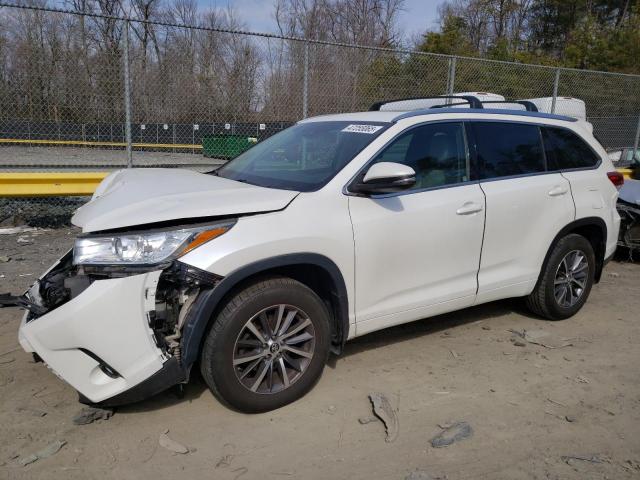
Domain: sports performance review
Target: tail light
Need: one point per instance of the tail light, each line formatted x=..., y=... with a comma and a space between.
x=616, y=178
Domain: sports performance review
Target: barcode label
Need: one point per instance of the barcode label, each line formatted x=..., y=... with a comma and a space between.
x=362, y=129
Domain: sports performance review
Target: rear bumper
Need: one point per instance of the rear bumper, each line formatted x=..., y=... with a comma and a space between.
x=100, y=342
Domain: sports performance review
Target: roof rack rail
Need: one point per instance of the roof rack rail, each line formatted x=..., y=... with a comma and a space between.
x=473, y=102
x=529, y=106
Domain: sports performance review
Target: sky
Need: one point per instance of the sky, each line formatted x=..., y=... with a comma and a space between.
x=257, y=15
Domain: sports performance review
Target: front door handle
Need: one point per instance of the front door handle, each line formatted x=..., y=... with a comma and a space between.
x=469, y=208
x=557, y=191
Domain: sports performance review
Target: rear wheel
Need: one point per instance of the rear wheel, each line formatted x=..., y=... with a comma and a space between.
x=566, y=279
x=268, y=345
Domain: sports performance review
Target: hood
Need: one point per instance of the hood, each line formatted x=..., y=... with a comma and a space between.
x=630, y=191
x=141, y=196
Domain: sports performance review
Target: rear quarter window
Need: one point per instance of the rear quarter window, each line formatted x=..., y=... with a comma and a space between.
x=565, y=150
x=507, y=149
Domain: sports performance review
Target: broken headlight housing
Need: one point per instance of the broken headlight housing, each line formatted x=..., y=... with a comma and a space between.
x=145, y=247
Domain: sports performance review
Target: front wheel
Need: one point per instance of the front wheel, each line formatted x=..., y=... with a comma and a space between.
x=268, y=345
x=566, y=279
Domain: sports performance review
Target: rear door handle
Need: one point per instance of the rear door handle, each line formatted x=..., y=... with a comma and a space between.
x=468, y=208
x=558, y=190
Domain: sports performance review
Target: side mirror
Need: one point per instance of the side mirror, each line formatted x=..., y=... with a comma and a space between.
x=386, y=177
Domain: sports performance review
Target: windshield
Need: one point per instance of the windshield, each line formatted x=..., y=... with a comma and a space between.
x=303, y=157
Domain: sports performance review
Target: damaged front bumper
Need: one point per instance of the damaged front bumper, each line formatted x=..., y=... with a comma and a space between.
x=629, y=236
x=114, y=335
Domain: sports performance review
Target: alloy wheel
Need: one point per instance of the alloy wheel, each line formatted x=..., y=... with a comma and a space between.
x=571, y=278
x=273, y=349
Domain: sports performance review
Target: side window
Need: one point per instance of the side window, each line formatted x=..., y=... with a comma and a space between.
x=437, y=152
x=506, y=149
x=566, y=150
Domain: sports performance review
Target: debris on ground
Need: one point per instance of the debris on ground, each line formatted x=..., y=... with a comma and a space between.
x=225, y=461
x=365, y=420
x=422, y=475
x=331, y=409
x=46, y=452
x=383, y=410
x=581, y=379
x=35, y=412
x=15, y=230
x=571, y=459
x=554, y=415
x=171, y=445
x=4, y=259
x=240, y=471
x=570, y=418
x=92, y=414
x=539, y=337
x=24, y=240
x=631, y=465
x=560, y=404
x=451, y=433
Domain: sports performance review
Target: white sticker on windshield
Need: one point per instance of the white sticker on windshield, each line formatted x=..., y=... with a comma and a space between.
x=362, y=129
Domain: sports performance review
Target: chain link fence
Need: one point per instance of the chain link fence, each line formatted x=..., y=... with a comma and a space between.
x=101, y=91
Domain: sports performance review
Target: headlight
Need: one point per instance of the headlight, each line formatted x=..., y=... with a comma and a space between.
x=144, y=247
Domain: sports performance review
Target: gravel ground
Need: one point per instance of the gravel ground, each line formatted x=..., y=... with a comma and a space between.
x=535, y=412
x=61, y=158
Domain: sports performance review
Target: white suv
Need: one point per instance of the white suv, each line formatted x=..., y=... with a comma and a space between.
x=331, y=229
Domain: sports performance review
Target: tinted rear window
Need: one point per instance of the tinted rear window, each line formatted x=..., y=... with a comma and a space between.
x=507, y=149
x=566, y=150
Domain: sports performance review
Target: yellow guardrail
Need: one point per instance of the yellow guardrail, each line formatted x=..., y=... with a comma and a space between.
x=629, y=173
x=44, y=184
x=82, y=143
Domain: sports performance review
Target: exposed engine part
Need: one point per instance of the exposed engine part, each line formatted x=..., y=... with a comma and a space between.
x=173, y=340
x=177, y=290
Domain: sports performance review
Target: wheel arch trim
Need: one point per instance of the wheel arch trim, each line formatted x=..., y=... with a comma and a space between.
x=570, y=227
x=200, y=315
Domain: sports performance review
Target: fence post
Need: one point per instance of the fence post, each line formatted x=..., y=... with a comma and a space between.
x=635, y=155
x=127, y=95
x=556, y=81
x=451, y=77
x=305, y=82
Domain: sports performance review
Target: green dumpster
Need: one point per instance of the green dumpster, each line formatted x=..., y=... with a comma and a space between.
x=226, y=146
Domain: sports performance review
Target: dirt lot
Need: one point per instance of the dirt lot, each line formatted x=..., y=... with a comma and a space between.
x=536, y=412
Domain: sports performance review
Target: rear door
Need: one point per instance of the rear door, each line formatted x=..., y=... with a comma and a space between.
x=593, y=193
x=570, y=155
x=526, y=206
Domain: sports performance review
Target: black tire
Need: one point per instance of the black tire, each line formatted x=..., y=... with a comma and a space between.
x=542, y=301
x=219, y=347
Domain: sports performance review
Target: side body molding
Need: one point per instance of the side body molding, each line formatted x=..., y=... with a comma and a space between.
x=200, y=315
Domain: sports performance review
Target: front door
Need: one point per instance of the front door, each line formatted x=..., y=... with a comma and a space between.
x=417, y=252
